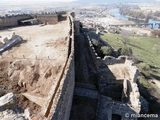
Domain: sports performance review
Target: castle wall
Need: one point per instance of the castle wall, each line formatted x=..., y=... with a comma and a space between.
x=97, y=60
x=132, y=89
x=50, y=18
x=112, y=60
x=9, y=21
x=12, y=20
x=134, y=96
x=61, y=96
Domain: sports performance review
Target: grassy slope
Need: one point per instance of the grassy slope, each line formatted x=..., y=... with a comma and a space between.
x=144, y=49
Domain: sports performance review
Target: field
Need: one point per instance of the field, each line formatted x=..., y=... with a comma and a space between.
x=147, y=50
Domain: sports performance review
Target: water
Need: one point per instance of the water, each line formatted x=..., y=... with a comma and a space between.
x=116, y=13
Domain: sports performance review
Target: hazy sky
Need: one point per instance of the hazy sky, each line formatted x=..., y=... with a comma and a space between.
x=14, y=1
x=78, y=1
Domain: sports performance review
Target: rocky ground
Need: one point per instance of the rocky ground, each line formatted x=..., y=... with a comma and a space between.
x=28, y=70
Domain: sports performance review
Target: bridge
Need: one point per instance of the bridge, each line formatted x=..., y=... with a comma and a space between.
x=136, y=25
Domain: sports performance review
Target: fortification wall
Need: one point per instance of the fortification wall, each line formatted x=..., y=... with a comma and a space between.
x=50, y=18
x=12, y=20
x=133, y=91
x=97, y=60
x=133, y=88
x=112, y=60
x=61, y=95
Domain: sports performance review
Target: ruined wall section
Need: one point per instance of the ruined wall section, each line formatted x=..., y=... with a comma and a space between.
x=133, y=91
x=97, y=60
x=133, y=70
x=134, y=97
x=109, y=60
x=12, y=20
x=61, y=97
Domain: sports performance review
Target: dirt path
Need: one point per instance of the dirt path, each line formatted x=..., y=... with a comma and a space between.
x=85, y=69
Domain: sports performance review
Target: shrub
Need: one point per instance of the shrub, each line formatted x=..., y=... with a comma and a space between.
x=126, y=51
x=156, y=33
x=95, y=42
x=145, y=69
x=105, y=50
x=144, y=66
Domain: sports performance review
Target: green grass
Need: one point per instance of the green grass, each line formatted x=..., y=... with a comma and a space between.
x=144, y=49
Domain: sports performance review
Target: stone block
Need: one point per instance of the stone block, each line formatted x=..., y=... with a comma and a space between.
x=7, y=101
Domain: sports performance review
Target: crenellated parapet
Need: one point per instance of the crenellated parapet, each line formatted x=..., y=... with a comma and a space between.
x=42, y=17
x=97, y=60
x=109, y=60
x=12, y=15
x=12, y=20
x=59, y=102
x=130, y=92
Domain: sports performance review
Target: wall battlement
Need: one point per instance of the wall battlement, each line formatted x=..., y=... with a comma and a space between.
x=44, y=17
x=130, y=88
x=61, y=95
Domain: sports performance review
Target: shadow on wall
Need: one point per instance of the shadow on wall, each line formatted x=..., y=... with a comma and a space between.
x=62, y=17
x=108, y=84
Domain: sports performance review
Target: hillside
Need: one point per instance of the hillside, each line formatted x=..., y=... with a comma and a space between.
x=147, y=51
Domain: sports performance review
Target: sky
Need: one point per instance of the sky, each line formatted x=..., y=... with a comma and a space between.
x=94, y=1
x=5, y=1
x=75, y=1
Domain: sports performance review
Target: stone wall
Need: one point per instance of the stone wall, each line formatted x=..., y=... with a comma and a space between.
x=12, y=20
x=50, y=18
x=133, y=70
x=77, y=26
x=112, y=60
x=132, y=89
x=134, y=97
x=107, y=107
x=61, y=94
x=97, y=60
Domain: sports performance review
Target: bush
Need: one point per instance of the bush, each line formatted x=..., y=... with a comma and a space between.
x=145, y=69
x=156, y=33
x=95, y=42
x=144, y=66
x=126, y=51
x=105, y=50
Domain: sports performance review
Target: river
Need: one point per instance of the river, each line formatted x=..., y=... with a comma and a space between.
x=116, y=13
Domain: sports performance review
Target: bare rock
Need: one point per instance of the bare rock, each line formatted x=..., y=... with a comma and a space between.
x=7, y=101
x=2, y=92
